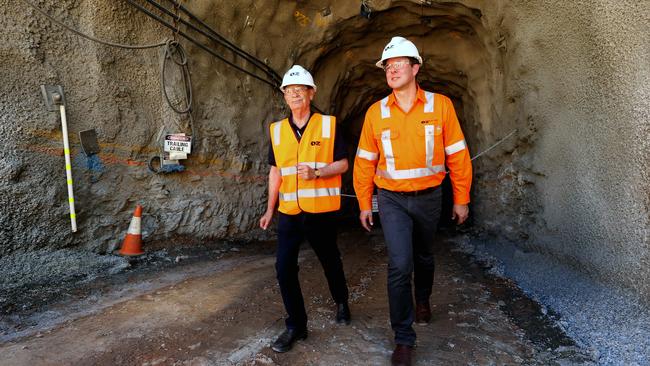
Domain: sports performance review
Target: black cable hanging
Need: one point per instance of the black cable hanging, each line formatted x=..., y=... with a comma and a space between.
x=198, y=44
x=215, y=36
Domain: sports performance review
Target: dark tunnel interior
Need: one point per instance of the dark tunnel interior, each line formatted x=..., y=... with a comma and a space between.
x=457, y=63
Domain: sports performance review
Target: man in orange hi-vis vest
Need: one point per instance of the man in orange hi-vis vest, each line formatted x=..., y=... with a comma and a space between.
x=307, y=157
x=406, y=140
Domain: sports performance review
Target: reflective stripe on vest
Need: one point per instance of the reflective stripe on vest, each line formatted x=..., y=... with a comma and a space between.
x=277, y=129
x=288, y=196
x=319, y=192
x=291, y=170
x=326, y=126
x=315, y=149
x=311, y=193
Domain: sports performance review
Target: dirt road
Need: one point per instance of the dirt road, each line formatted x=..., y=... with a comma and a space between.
x=227, y=311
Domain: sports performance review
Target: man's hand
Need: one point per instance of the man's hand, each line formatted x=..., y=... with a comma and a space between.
x=366, y=219
x=461, y=212
x=305, y=172
x=265, y=220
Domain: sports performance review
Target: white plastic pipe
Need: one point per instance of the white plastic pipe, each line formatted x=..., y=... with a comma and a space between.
x=68, y=168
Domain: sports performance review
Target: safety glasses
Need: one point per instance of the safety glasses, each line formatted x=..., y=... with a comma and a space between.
x=299, y=89
x=396, y=66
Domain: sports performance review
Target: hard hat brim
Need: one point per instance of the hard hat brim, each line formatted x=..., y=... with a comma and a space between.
x=380, y=63
x=309, y=85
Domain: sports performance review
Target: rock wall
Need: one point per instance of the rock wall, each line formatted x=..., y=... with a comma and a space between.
x=579, y=72
x=570, y=77
x=118, y=93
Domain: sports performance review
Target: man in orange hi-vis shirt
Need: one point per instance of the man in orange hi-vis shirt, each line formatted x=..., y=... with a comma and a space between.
x=407, y=139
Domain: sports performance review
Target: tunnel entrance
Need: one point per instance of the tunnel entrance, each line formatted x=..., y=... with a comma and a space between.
x=457, y=63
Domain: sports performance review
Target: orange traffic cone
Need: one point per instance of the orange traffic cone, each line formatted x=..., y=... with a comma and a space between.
x=132, y=244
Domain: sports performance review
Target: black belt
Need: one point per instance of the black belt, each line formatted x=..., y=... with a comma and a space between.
x=416, y=193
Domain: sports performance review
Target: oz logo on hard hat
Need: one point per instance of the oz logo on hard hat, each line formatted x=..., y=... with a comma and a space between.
x=297, y=75
x=399, y=47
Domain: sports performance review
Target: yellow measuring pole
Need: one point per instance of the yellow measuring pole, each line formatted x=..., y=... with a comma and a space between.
x=68, y=167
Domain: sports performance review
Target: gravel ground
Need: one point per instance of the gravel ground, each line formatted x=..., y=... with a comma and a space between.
x=20, y=269
x=613, y=324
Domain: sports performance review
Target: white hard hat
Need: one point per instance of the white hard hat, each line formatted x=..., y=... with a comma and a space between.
x=399, y=47
x=299, y=76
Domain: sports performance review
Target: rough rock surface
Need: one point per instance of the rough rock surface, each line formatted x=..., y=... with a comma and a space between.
x=571, y=77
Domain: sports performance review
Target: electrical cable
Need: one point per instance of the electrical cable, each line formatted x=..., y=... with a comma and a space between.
x=174, y=51
x=197, y=43
x=259, y=63
x=171, y=48
x=216, y=37
x=495, y=144
x=83, y=35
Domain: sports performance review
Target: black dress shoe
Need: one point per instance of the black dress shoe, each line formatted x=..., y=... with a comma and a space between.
x=402, y=355
x=422, y=313
x=287, y=338
x=343, y=313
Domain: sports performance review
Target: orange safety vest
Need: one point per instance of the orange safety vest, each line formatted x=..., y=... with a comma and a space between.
x=408, y=151
x=316, y=148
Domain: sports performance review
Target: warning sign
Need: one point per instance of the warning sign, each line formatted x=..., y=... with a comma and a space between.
x=178, y=144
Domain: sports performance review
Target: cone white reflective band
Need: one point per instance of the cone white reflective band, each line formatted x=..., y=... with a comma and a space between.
x=456, y=147
x=393, y=173
x=319, y=192
x=385, y=109
x=365, y=154
x=290, y=170
x=327, y=127
x=428, y=106
x=277, y=128
x=68, y=168
x=135, y=226
x=288, y=196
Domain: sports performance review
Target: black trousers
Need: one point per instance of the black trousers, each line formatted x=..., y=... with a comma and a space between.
x=409, y=224
x=320, y=232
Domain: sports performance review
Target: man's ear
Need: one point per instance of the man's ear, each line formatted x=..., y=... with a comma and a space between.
x=416, y=68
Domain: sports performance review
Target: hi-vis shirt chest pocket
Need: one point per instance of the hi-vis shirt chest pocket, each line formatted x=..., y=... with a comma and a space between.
x=386, y=133
x=387, y=139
